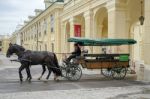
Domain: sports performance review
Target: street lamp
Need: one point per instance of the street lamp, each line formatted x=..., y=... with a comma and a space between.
x=141, y=18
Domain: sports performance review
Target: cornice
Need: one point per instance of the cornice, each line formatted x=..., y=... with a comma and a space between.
x=85, y=5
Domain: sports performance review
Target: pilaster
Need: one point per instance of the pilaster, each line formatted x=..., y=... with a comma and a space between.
x=146, y=35
x=117, y=24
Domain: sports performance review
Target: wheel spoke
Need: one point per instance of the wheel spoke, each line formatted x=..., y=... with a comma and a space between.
x=106, y=72
x=119, y=72
x=74, y=74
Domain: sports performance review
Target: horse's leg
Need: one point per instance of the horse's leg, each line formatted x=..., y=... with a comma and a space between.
x=28, y=71
x=27, y=74
x=49, y=73
x=44, y=69
x=20, y=74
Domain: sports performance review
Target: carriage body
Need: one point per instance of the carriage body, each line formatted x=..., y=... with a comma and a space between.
x=111, y=65
x=99, y=61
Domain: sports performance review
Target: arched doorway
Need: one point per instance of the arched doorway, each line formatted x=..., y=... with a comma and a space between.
x=100, y=26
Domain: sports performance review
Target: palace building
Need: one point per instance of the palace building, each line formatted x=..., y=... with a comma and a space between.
x=50, y=28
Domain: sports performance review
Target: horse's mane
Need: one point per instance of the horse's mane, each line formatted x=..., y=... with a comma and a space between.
x=20, y=47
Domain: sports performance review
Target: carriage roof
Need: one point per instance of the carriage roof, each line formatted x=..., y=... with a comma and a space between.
x=101, y=42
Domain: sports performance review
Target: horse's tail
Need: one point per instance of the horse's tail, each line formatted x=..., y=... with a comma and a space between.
x=58, y=71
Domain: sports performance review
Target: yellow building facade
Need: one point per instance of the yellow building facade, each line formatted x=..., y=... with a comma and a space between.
x=50, y=29
x=5, y=44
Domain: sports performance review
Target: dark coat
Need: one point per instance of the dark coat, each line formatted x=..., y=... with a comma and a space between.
x=77, y=51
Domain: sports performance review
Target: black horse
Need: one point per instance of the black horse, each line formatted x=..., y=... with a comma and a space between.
x=28, y=58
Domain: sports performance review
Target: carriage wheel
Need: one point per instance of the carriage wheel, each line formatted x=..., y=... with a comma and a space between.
x=106, y=72
x=64, y=70
x=74, y=73
x=119, y=73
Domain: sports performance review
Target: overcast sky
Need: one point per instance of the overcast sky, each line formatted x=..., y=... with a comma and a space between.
x=13, y=12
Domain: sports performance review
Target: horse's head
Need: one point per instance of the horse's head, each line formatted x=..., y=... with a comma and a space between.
x=14, y=48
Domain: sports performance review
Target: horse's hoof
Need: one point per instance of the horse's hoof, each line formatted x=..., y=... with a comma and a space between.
x=39, y=79
x=56, y=79
x=47, y=78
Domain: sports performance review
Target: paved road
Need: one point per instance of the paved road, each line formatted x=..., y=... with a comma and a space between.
x=9, y=82
x=90, y=81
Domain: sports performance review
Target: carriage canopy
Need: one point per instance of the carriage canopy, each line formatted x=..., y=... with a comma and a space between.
x=101, y=42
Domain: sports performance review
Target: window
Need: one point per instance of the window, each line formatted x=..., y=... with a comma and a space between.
x=39, y=34
x=0, y=43
x=44, y=32
x=52, y=23
x=52, y=44
x=52, y=30
x=45, y=24
x=35, y=36
x=40, y=47
x=45, y=47
x=31, y=36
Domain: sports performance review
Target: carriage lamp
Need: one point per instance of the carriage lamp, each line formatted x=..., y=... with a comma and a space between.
x=141, y=18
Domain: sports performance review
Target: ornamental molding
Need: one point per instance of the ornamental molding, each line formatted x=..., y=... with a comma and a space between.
x=82, y=7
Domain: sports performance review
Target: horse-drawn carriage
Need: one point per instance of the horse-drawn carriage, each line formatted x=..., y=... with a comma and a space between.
x=111, y=65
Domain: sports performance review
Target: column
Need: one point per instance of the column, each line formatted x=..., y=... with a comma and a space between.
x=146, y=35
x=88, y=24
x=117, y=24
x=117, y=20
x=88, y=15
x=72, y=22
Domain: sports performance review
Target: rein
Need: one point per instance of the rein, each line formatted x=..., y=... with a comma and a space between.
x=19, y=60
